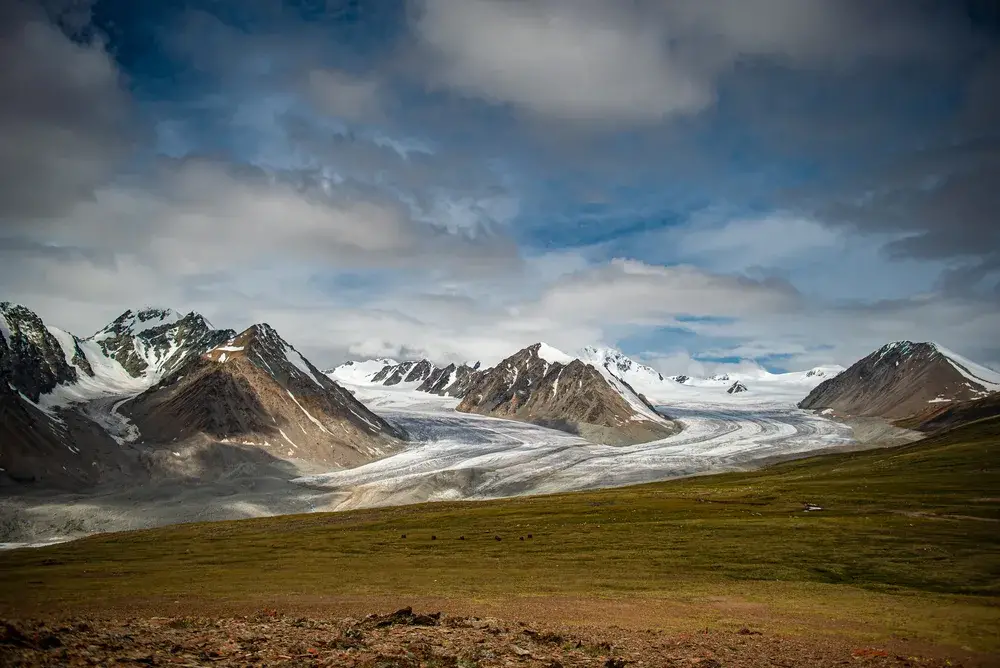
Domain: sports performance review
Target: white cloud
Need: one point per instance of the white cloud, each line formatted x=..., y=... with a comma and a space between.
x=741, y=243
x=641, y=61
x=627, y=291
x=569, y=60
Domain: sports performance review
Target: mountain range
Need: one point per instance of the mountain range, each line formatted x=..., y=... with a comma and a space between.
x=157, y=392
x=160, y=393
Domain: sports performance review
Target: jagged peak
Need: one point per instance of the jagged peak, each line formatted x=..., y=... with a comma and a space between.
x=137, y=321
x=10, y=311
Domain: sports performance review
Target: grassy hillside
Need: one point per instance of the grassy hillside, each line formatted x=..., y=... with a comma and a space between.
x=907, y=541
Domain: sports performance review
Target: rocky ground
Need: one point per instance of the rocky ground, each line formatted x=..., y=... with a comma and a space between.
x=412, y=640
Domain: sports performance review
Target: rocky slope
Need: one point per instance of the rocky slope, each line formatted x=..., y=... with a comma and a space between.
x=948, y=415
x=543, y=386
x=902, y=379
x=56, y=451
x=257, y=390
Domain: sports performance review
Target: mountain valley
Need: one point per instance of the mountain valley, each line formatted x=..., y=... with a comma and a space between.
x=161, y=418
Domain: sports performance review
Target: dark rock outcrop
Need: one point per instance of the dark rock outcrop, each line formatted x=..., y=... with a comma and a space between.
x=452, y=381
x=31, y=358
x=736, y=388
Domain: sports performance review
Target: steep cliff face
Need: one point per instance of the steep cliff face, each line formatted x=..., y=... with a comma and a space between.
x=451, y=381
x=902, y=379
x=31, y=357
x=564, y=393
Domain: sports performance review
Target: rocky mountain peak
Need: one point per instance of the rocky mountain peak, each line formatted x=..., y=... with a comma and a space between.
x=619, y=364
x=31, y=358
x=737, y=388
x=137, y=321
x=263, y=347
x=152, y=342
x=900, y=379
x=255, y=388
x=542, y=385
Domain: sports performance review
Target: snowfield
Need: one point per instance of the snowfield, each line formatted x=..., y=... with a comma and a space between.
x=451, y=456
x=460, y=456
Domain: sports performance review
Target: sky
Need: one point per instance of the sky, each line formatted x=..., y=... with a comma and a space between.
x=696, y=182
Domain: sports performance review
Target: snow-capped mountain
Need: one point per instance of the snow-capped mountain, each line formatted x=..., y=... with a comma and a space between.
x=751, y=382
x=614, y=361
x=152, y=342
x=900, y=379
x=359, y=372
x=257, y=389
x=421, y=375
x=55, y=368
x=543, y=385
x=33, y=359
x=66, y=401
x=786, y=388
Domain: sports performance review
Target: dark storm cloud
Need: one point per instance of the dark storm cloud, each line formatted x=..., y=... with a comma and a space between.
x=63, y=114
x=934, y=181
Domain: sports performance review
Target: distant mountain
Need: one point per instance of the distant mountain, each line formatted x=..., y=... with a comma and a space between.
x=787, y=388
x=542, y=385
x=359, y=372
x=737, y=388
x=256, y=389
x=421, y=375
x=405, y=372
x=615, y=362
x=902, y=379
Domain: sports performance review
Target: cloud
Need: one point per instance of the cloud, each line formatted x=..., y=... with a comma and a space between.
x=344, y=96
x=940, y=197
x=642, y=62
x=555, y=58
x=738, y=244
x=627, y=291
x=64, y=118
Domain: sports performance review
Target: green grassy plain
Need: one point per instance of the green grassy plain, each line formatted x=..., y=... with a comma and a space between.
x=907, y=545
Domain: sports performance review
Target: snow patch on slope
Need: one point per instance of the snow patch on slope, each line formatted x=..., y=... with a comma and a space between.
x=299, y=362
x=553, y=355
x=4, y=328
x=977, y=373
x=642, y=411
x=109, y=378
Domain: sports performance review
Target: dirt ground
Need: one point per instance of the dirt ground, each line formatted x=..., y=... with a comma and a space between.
x=408, y=639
